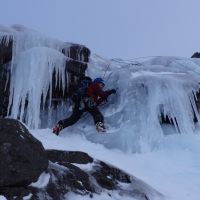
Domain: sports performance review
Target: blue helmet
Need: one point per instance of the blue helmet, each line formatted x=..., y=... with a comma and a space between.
x=99, y=80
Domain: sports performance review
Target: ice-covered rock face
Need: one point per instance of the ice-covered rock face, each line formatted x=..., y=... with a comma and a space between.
x=31, y=78
x=35, y=58
x=41, y=68
x=145, y=89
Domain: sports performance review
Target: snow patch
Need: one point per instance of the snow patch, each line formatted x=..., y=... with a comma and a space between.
x=2, y=197
x=109, y=195
x=27, y=197
x=42, y=181
x=85, y=167
x=172, y=168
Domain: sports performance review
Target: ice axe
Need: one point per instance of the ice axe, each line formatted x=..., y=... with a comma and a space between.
x=106, y=72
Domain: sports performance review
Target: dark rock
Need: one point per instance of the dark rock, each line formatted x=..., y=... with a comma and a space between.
x=88, y=177
x=76, y=68
x=196, y=55
x=65, y=178
x=78, y=179
x=4, y=89
x=69, y=156
x=76, y=52
x=73, y=72
x=108, y=176
x=5, y=57
x=97, y=178
x=5, y=51
x=23, y=156
x=17, y=193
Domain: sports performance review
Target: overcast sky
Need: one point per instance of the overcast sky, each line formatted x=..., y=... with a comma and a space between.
x=113, y=28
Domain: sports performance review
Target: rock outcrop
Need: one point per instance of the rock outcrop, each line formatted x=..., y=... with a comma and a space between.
x=23, y=157
x=79, y=174
x=4, y=89
x=196, y=55
x=5, y=51
x=76, y=52
x=30, y=172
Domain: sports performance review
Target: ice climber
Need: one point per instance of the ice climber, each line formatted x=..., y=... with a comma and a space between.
x=87, y=101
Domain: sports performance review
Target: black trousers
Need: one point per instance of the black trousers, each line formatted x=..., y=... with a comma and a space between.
x=76, y=115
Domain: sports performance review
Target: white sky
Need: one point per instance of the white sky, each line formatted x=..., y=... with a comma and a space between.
x=113, y=28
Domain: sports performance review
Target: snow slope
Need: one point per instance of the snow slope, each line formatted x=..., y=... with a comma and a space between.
x=172, y=169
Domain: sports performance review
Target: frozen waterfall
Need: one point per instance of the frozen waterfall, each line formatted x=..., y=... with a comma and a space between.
x=35, y=58
x=146, y=89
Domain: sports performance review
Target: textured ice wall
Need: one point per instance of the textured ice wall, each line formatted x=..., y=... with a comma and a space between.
x=145, y=88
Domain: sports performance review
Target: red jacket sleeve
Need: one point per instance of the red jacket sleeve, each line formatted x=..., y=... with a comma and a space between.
x=97, y=93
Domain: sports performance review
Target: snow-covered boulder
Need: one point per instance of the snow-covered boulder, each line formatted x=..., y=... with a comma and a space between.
x=196, y=55
x=69, y=156
x=23, y=157
x=76, y=173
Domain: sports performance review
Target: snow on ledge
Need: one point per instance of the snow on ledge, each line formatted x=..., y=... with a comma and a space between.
x=42, y=181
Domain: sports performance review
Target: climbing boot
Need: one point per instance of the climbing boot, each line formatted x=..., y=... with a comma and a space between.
x=100, y=127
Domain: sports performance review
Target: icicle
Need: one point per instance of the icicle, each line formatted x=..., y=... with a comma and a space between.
x=5, y=39
x=193, y=97
x=6, y=35
x=35, y=58
x=36, y=66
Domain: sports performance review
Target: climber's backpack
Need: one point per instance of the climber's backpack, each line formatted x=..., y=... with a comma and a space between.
x=81, y=89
